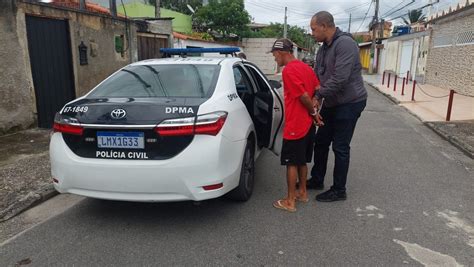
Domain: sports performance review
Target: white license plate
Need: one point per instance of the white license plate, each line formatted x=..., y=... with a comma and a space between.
x=129, y=140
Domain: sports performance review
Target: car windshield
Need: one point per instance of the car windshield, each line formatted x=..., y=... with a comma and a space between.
x=183, y=80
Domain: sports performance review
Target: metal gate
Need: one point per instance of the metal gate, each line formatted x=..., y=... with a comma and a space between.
x=51, y=66
x=405, y=59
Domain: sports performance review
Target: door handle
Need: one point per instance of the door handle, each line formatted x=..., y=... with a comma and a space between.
x=276, y=108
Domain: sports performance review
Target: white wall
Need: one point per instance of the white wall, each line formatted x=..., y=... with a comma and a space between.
x=179, y=43
x=383, y=57
x=256, y=50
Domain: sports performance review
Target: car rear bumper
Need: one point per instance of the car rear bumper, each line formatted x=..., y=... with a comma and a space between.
x=208, y=160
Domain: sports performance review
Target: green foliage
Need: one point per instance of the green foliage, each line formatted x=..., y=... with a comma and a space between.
x=225, y=17
x=275, y=30
x=359, y=39
x=414, y=16
x=178, y=5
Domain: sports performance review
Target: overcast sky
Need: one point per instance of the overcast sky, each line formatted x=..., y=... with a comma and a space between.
x=300, y=11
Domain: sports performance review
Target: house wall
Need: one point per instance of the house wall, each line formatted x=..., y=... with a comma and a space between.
x=416, y=56
x=16, y=86
x=450, y=64
x=383, y=57
x=180, y=43
x=364, y=55
x=17, y=94
x=256, y=50
x=391, y=62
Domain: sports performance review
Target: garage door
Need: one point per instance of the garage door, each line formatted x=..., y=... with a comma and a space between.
x=405, y=59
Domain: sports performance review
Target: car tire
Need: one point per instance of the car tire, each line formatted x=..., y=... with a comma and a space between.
x=247, y=175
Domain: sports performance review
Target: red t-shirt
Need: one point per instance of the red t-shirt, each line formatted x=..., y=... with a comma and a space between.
x=298, y=78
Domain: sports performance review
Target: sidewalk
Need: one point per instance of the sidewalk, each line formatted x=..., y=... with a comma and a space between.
x=24, y=171
x=427, y=108
x=431, y=107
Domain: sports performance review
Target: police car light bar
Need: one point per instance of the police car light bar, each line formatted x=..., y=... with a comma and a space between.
x=185, y=51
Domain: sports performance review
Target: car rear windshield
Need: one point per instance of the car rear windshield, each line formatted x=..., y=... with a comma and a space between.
x=183, y=80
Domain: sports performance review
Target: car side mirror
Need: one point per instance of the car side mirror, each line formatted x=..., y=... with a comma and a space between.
x=274, y=84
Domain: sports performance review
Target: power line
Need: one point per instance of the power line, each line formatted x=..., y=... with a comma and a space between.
x=366, y=13
x=412, y=2
x=396, y=6
x=420, y=8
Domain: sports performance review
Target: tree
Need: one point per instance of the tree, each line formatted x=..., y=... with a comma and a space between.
x=275, y=30
x=178, y=5
x=414, y=16
x=226, y=17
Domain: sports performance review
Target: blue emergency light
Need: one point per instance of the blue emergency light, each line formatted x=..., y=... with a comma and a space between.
x=185, y=51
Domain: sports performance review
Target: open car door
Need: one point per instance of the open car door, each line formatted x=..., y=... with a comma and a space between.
x=270, y=102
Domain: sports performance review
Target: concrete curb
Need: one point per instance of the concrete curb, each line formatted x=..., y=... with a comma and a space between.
x=30, y=200
x=391, y=98
x=451, y=139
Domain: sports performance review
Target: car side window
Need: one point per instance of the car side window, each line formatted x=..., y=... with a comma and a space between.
x=242, y=82
x=262, y=86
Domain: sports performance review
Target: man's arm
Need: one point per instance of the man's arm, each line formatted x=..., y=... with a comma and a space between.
x=346, y=55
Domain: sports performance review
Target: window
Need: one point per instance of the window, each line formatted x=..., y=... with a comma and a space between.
x=261, y=84
x=160, y=81
x=242, y=82
x=465, y=38
x=443, y=41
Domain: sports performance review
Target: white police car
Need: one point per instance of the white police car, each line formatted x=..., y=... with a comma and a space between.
x=168, y=129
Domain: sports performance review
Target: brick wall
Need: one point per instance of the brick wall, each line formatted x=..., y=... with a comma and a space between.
x=452, y=66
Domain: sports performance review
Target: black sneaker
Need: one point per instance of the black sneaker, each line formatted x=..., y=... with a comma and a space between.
x=331, y=195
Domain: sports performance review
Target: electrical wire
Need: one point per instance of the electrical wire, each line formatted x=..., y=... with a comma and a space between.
x=126, y=28
x=365, y=17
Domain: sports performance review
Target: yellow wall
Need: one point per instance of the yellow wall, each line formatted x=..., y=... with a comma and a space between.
x=364, y=54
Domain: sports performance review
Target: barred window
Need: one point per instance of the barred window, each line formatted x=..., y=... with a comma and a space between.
x=443, y=41
x=465, y=38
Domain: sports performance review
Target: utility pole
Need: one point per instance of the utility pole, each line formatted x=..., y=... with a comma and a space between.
x=430, y=9
x=350, y=19
x=82, y=4
x=373, y=65
x=284, y=25
x=157, y=8
x=113, y=8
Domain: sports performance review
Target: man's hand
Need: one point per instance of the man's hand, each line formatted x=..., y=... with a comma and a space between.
x=316, y=103
x=318, y=120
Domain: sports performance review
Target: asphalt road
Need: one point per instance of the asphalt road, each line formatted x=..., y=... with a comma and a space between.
x=410, y=202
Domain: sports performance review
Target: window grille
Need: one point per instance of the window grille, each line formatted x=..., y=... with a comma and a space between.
x=465, y=38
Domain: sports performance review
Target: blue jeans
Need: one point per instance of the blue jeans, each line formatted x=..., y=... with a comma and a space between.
x=339, y=125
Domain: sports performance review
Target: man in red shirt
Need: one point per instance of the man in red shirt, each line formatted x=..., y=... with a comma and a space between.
x=299, y=83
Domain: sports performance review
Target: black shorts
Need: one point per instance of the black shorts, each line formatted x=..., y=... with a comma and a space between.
x=299, y=151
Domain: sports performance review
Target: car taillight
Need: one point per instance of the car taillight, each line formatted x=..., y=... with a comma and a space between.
x=63, y=124
x=210, y=124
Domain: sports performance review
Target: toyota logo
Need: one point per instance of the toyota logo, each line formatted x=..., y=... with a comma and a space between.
x=118, y=113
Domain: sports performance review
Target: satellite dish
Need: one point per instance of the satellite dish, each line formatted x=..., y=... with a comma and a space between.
x=190, y=8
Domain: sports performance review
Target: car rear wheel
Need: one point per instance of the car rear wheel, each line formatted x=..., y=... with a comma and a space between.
x=247, y=175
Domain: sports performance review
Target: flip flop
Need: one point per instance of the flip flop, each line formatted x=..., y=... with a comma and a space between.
x=279, y=205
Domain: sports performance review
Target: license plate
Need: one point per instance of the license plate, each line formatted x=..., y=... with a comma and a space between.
x=129, y=140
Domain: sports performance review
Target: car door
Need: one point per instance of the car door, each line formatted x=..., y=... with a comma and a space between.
x=265, y=93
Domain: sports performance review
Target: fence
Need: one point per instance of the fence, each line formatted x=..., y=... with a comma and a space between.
x=416, y=86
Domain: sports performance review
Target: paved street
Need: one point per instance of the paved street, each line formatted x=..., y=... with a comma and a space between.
x=410, y=202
